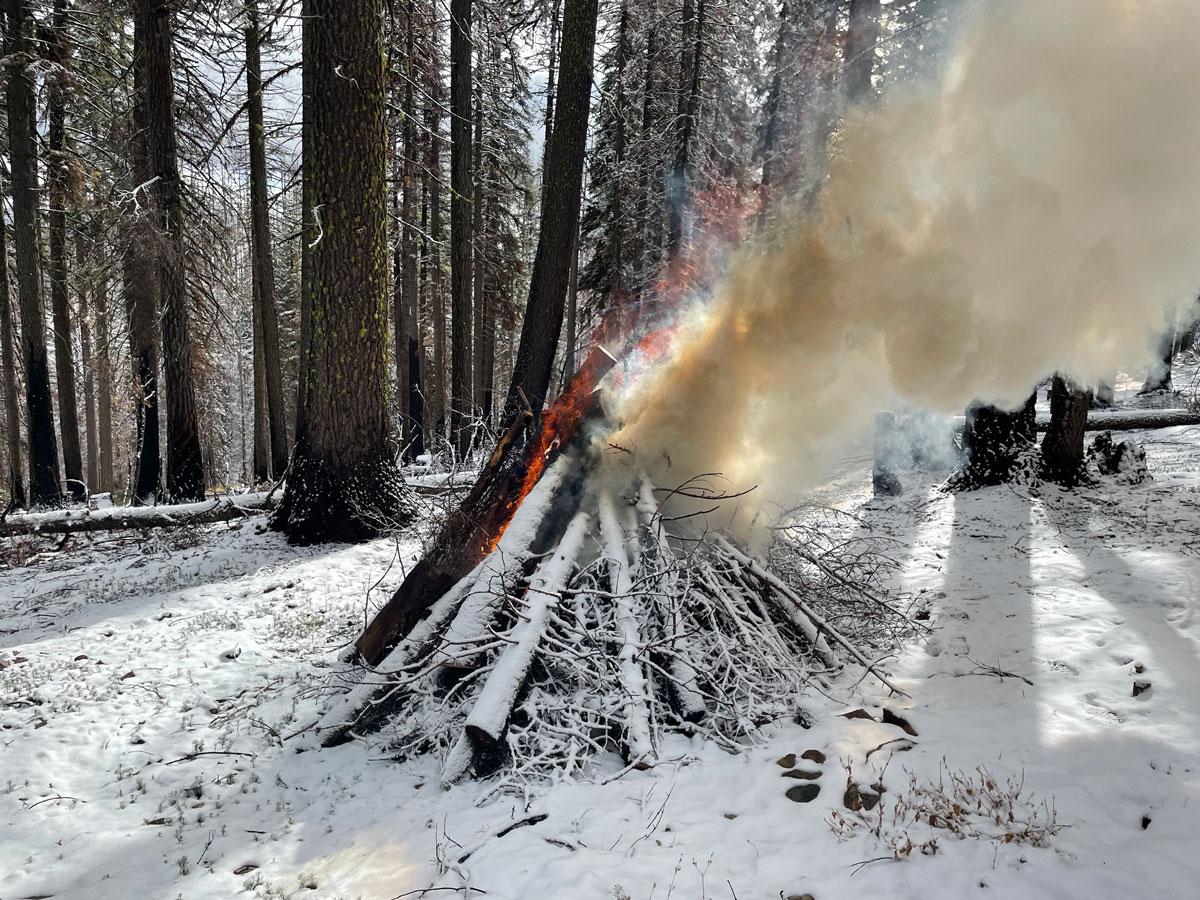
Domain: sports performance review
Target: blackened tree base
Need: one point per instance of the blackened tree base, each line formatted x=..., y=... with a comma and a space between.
x=327, y=502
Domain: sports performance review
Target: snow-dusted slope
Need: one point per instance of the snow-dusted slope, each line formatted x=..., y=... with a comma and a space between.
x=147, y=694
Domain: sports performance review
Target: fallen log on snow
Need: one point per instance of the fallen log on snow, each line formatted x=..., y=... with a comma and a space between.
x=1132, y=419
x=117, y=518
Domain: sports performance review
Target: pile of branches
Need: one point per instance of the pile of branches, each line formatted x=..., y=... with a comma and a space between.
x=598, y=626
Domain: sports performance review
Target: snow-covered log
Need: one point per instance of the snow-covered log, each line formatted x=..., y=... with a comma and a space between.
x=489, y=716
x=633, y=678
x=117, y=518
x=359, y=705
x=472, y=625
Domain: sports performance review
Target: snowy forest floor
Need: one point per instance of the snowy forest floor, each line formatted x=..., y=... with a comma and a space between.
x=146, y=685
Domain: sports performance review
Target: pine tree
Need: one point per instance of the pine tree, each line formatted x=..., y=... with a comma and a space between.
x=344, y=484
x=44, y=488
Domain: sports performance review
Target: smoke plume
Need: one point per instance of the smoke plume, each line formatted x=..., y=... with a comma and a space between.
x=1037, y=209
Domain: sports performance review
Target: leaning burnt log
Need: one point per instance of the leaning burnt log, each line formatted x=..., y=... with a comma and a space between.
x=474, y=528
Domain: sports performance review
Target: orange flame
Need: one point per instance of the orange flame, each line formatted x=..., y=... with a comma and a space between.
x=721, y=215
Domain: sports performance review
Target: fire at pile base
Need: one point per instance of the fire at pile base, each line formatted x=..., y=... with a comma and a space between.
x=631, y=626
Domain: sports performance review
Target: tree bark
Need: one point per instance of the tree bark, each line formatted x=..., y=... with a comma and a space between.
x=141, y=287
x=460, y=224
x=266, y=313
x=344, y=484
x=433, y=174
x=412, y=401
x=103, y=373
x=482, y=258
x=12, y=415
x=44, y=487
x=1062, y=446
x=60, y=303
x=185, y=469
x=862, y=36
x=994, y=439
x=89, y=368
x=563, y=182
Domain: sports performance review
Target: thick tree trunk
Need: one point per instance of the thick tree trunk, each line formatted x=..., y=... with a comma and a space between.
x=12, y=415
x=862, y=37
x=1062, y=446
x=344, y=484
x=44, y=487
x=266, y=313
x=460, y=224
x=563, y=182
x=185, y=469
x=60, y=303
x=141, y=286
x=994, y=440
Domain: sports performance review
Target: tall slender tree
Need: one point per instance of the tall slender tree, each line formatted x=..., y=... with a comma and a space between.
x=563, y=181
x=344, y=484
x=44, y=486
x=460, y=224
x=57, y=165
x=862, y=39
x=266, y=313
x=12, y=415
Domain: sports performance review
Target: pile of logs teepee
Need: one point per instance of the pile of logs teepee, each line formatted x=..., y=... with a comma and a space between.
x=589, y=623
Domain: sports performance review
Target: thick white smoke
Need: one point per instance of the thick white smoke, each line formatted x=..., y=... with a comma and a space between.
x=1037, y=210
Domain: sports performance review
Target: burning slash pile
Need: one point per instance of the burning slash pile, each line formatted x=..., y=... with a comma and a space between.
x=571, y=609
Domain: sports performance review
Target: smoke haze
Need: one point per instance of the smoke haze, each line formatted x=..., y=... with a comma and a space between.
x=1036, y=210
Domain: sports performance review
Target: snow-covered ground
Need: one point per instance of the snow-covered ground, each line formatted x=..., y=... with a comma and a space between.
x=149, y=691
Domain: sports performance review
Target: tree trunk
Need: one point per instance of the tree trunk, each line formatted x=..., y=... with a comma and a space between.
x=460, y=224
x=862, y=36
x=563, y=182
x=616, y=235
x=44, y=488
x=89, y=368
x=551, y=73
x=433, y=173
x=412, y=401
x=185, y=469
x=483, y=258
x=687, y=122
x=994, y=440
x=1062, y=446
x=60, y=303
x=141, y=287
x=344, y=484
x=769, y=148
x=12, y=415
x=104, y=482
x=266, y=313
x=570, y=333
